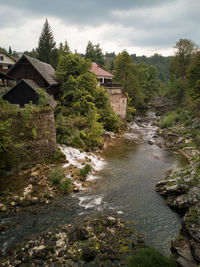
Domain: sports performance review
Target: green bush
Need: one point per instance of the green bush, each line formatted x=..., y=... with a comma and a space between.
x=86, y=169
x=150, y=257
x=169, y=119
x=58, y=156
x=55, y=175
x=65, y=186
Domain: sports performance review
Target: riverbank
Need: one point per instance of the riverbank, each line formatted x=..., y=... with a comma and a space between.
x=101, y=241
x=181, y=189
x=32, y=187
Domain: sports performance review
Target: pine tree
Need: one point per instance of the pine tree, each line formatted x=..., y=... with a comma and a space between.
x=64, y=49
x=90, y=52
x=10, y=51
x=99, y=55
x=46, y=50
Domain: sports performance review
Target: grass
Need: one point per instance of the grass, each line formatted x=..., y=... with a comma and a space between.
x=192, y=216
x=85, y=170
x=65, y=186
x=56, y=174
x=150, y=257
x=169, y=119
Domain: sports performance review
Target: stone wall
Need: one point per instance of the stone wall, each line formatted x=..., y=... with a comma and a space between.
x=33, y=133
x=118, y=102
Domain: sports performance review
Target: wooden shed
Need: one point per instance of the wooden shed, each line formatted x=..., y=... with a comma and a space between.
x=39, y=72
x=26, y=91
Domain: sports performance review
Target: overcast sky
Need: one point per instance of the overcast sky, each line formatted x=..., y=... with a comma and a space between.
x=139, y=26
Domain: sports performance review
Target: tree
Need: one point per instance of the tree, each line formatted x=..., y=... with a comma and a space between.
x=123, y=66
x=46, y=50
x=10, y=50
x=193, y=73
x=185, y=49
x=90, y=52
x=94, y=53
x=85, y=108
x=63, y=49
x=126, y=72
x=32, y=53
x=99, y=57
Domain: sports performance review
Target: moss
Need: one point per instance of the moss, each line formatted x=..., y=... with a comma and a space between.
x=194, y=182
x=150, y=257
x=58, y=156
x=192, y=216
x=180, y=182
x=170, y=183
x=124, y=249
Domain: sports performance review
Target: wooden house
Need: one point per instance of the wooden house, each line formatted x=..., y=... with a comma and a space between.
x=31, y=74
x=26, y=91
x=117, y=96
x=39, y=72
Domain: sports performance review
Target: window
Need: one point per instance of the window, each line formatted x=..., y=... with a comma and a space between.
x=1, y=58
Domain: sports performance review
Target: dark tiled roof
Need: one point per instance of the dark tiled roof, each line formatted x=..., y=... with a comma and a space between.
x=5, y=76
x=50, y=100
x=46, y=70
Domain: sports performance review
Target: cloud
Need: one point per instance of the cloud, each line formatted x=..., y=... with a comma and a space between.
x=142, y=25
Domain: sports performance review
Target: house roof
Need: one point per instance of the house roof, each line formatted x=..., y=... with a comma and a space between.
x=44, y=69
x=96, y=69
x=50, y=100
x=34, y=86
x=3, y=52
x=5, y=76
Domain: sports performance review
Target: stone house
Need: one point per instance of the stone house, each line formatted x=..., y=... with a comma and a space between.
x=117, y=96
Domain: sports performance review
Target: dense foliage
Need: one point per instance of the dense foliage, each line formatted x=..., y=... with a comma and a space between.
x=84, y=111
x=150, y=257
x=139, y=81
x=184, y=75
x=94, y=53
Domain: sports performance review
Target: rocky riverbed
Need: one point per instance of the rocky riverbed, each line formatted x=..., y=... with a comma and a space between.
x=181, y=189
x=25, y=188
x=101, y=241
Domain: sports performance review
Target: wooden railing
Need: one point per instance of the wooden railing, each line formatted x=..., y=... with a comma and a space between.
x=111, y=85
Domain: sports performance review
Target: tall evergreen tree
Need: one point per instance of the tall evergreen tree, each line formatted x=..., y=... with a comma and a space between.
x=90, y=52
x=46, y=50
x=10, y=50
x=99, y=55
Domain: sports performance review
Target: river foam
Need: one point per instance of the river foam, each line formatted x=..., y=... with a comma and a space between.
x=74, y=157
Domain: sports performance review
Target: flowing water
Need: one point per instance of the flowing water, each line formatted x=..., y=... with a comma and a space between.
x=125, y=186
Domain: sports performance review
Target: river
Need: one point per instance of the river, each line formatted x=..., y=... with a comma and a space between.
x=124, y=186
